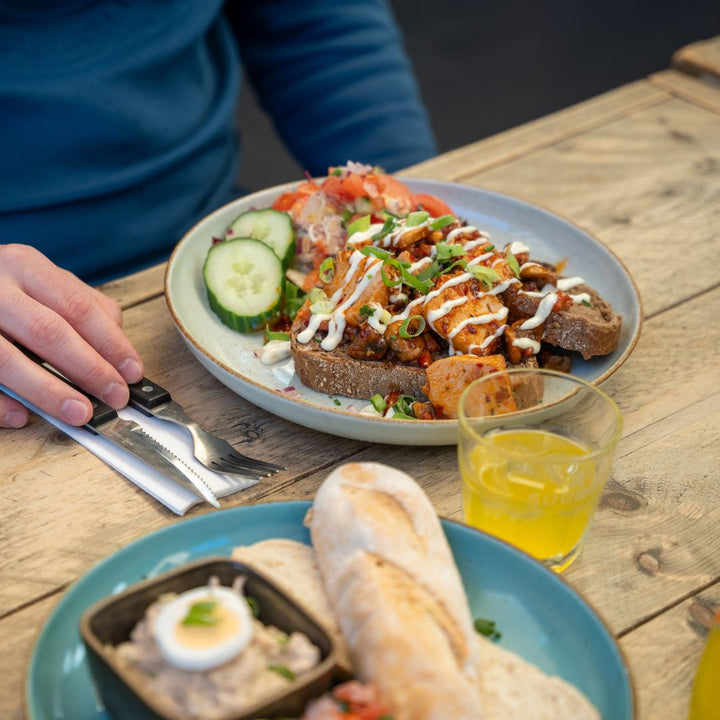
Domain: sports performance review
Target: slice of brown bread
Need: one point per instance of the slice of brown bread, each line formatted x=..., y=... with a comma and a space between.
x=591, y=330
x=334, y=372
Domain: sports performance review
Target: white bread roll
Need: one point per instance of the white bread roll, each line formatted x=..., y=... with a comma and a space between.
x=396, y=592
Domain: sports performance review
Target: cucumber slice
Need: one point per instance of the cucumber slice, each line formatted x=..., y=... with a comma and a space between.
x=272, y=227
x=244, y=282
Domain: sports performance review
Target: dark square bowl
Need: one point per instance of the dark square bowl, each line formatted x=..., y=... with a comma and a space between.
x=110, y=621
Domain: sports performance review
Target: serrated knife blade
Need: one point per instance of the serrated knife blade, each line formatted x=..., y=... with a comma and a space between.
x=130, y=435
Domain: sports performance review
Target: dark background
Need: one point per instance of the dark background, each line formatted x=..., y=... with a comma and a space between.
x=487, y=65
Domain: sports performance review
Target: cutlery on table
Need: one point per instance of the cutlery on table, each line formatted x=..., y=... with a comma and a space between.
x=211, y=451
x=128, y=434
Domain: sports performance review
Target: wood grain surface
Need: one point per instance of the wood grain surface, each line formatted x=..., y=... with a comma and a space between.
x=699, y=58
x=639, y=168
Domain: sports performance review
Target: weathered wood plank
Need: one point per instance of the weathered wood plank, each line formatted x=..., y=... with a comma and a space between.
x=663, y=656
x=19, y=633
x=465, y=162
x=662, y=218
x=699, y=58
x=705, y=94
x=136, y=288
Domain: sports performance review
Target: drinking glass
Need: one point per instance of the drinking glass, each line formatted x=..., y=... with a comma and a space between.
x=535, y=449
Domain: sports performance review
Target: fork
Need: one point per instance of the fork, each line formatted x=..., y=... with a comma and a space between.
x=211, y=451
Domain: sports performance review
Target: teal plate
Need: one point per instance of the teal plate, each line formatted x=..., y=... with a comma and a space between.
x=541, y=618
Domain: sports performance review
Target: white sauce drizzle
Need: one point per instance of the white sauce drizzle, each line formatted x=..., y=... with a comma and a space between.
x=544, y=309
x=524, y=343
x=517, y=247
x=444, y=309
x=567, y=283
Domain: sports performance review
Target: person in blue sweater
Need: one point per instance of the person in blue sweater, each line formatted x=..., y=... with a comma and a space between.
x=117, y=134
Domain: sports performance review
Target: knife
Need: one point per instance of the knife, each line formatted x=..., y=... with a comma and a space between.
x=128, y=434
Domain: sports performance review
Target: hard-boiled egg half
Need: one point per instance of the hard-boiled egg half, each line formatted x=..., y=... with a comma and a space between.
x=203, y=628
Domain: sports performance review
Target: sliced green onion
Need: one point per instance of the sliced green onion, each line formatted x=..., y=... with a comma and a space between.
x=387, y=228
x=327, y=269
x=286, y=672
x=391, y=262
x=346, y=215
x=429, y=272
x=512, y=262
x=254, y=605
x=366, y=311
x=586, y=303
x=442, y=222
x=376, y=252
x=336, y=172
x=202, y=613
x=484, y=274
x=360, y=225
x=276, y=335
x=445, y=251
x=422, y=286
x=417, y=218
x=378, y=402
x=404, y=331
x=320, y=303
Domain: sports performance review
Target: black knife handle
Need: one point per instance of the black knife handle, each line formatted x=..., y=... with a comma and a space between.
x=102, y=412
x=149, y=394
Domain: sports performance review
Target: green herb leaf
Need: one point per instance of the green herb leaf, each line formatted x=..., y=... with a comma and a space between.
x=417, y=218
x=346, y=215
x=487, y=628
x=378, y=402
x=334, y=399
x=586, y=303
x=513, y=263
x=286, y=672
x=403, y=407
x=360, y=225
x=366, y=311
x=254, y=605
x=445, y=251
x=202, y=613
x=336, y=172
x=485, y=274
x=388, y=227
x=442, y=222
x=406, y=333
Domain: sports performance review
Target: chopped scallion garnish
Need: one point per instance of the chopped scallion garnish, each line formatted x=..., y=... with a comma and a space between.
x=417, y=218
x=442, y=222
x=378, y=402
x=513, y=263
x=202, y=613
x=360, y=225
x=327, y=269
x=484, y=274
x=487, y=628
x=286, y=672
x=445, y=251
x=406, y=333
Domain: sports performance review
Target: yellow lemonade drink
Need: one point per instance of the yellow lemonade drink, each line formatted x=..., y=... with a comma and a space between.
x=705, y=703
x=534, y=489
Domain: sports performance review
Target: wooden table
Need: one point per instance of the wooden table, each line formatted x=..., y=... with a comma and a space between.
x=639, y=167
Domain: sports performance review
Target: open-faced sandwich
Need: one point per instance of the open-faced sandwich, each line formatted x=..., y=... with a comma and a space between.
x=404, y=304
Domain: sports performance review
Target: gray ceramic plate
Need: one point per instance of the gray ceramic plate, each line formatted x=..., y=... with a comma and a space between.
x=229, y=356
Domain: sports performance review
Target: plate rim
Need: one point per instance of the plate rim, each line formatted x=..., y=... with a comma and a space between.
x=300, y=506
x=353, y=417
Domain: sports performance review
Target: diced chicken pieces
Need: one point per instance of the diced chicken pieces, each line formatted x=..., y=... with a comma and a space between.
x=465, y=320
x=448, y=377
x=406, y=349
x=374, y=290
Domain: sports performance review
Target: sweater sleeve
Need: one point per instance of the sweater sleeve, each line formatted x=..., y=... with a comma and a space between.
x=335, y=78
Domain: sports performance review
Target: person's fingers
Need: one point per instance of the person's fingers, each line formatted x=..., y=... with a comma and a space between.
x=35, y=384
x=110, y=306
x=12, y=413
x=65, y=304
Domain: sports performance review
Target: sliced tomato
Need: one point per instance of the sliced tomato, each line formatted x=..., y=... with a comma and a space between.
x=391, y=188
x=434, y=205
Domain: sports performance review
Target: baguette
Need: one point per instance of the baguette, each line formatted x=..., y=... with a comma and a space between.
x=393, y=586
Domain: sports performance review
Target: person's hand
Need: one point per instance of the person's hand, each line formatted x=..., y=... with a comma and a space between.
x=75, y=328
